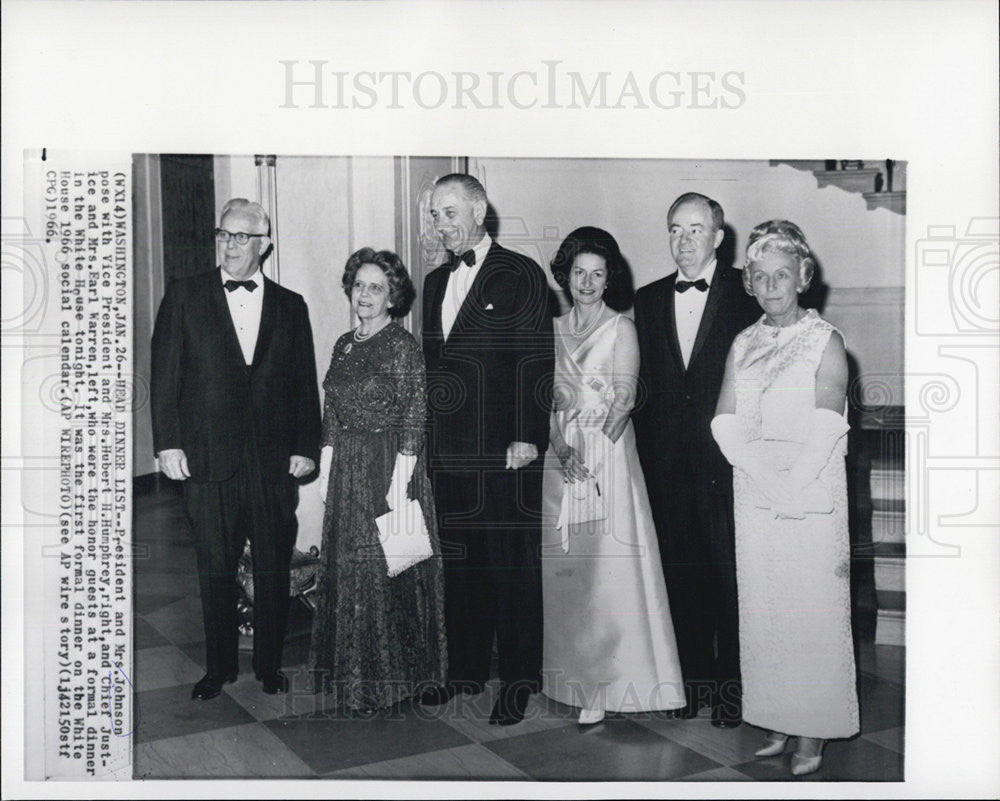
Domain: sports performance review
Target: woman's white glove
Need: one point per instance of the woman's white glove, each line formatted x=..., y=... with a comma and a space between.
x=826, y=428
x=770, y=484
x=401, y=472
x=325, y=459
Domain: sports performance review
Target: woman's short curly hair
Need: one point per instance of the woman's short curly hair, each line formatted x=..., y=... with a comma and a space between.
x=779, y=236
x=618, y=291
x=401, y=291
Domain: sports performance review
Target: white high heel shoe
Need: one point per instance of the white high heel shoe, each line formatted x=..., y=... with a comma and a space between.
x=804, y=765
x=775, y=745
x=589, y=717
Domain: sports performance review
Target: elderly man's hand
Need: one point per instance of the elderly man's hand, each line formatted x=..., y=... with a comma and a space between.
x=520, y=453
x=174, y=464
x=300, y=466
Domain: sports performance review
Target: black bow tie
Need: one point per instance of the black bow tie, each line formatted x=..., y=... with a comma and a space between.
x=469, y=257
x=250, y=285
x=683, y=286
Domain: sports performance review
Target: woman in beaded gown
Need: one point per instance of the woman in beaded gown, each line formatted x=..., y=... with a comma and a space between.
x=376, y=640
x=608, y=635
x=780, y=422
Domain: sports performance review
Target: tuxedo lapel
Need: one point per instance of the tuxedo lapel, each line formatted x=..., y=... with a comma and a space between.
x=221, y=316
x=473, y=299
x=438, y=285
x=715, y=293
x=670, y=323
x=268, y=318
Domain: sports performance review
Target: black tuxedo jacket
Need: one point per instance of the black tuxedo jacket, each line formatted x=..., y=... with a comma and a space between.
x=489, y=384
x=676, y=405
x=207, y=401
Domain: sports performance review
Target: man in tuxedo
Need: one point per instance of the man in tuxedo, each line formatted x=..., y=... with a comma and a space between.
x=487, y=338
x=686, y=323
x=235, y=408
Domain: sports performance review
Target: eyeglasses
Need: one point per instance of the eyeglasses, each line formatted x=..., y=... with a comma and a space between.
x=222, y=235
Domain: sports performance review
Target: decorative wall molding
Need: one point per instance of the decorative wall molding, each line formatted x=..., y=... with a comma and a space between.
x=267, y=196
x=842, y=297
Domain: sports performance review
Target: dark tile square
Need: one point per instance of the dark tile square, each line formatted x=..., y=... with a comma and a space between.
x=616, y=749
x=329, y=740
x=145, y=635
x=170, y=712
x=150, y=602
x=164, y=521
x=855, y=760
x=882, y=704
x=180, y=585
x=180, y=622
x=163, y=556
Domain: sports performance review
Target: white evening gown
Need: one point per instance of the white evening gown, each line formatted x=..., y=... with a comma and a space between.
x=608, y=636
x=793, y=576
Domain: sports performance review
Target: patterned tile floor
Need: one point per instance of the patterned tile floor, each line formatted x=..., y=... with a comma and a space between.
x=246, y=734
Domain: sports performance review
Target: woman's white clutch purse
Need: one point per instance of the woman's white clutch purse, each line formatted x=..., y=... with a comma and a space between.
x=582, y=502
x=404, y=537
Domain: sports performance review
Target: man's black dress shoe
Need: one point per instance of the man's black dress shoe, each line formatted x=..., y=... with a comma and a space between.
x=510, y=705
x=274, y=683
x=436, y=696
x=210, y=686
x=684, y=713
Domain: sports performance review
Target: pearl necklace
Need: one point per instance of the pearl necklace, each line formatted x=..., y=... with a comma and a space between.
x=359, y=337
x=590, y=326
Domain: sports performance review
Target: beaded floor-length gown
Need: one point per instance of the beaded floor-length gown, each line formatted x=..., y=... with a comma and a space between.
x=376, y=640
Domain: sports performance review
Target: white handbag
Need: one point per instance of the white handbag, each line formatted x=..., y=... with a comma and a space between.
x=404, y=538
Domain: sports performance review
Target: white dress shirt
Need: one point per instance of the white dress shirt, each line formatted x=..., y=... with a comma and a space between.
x=459, y=284
x=688, y=308
x=245, y=308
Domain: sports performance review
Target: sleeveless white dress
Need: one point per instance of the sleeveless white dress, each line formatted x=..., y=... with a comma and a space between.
x=793, y=576
x=608, y=636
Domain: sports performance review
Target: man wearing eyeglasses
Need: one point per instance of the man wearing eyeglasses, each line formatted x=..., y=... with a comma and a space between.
x=236, y=418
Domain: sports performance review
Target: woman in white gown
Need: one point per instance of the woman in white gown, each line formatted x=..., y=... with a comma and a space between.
x=608, y=636
x=780, y=422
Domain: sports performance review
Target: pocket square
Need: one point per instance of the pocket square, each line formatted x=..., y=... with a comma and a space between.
x=489, y=307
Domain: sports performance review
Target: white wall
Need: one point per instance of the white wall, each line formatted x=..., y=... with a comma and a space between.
x=861, y=254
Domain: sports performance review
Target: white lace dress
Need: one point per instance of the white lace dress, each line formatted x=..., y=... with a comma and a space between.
x=796, y=650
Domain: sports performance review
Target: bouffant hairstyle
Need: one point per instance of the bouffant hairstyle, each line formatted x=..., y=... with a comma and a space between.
x=781, y=236
x=401, y=291
x=618, y=290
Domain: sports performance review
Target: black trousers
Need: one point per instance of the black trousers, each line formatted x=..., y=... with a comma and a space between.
x=693, y=512
x=489, y=526
x=224, y=515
